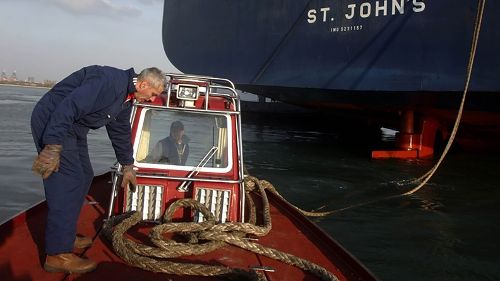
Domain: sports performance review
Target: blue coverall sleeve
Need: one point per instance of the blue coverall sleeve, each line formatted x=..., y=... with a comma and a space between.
x=120, y=134
x=80, y=102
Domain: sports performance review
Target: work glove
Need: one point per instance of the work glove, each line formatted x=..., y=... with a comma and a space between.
x=48, y=160
x=129, y=177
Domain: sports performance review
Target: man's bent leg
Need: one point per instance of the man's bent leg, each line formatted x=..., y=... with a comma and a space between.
x=83, y=154
x=88, y=175
x=63, y=192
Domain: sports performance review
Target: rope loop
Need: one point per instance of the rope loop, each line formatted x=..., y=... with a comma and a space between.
x=202, y=238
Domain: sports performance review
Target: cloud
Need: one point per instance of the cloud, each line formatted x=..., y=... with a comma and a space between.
x=106, y=8
x=151, y=2
x=102, y=8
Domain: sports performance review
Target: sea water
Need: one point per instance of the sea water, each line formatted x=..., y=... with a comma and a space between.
x=448, y=230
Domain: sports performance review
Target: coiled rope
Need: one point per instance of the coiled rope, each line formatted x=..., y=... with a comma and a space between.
x=203, y=238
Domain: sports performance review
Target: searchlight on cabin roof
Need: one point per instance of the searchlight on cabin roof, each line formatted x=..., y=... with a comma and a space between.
x=188, y=92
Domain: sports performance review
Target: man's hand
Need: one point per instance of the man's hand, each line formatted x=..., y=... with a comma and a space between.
x=129, y=177
x=48, y=160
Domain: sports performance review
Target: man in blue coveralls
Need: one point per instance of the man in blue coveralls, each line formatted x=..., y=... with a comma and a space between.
x=89, y=98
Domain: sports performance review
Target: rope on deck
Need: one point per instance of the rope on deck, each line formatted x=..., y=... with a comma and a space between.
x=202, y=238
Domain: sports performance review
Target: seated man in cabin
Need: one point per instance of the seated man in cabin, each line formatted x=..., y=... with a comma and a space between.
x=173, y=149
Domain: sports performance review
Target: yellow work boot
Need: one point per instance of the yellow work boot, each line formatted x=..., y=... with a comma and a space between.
x=68, y=263
x=82, y=242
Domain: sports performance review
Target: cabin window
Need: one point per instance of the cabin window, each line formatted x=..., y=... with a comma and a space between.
x=183, y=140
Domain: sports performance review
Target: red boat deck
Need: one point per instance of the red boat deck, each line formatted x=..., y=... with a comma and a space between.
x=21, y=247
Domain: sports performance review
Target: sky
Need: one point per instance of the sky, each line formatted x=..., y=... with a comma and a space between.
x=49, y=39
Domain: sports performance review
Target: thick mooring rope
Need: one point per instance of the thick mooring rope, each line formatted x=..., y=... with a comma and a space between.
x=475, y=39
x=203, y=237
x=422, y=180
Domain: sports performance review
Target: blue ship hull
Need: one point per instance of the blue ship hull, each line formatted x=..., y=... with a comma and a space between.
x=341, y=54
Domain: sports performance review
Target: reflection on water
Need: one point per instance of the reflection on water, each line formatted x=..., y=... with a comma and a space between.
x=446, y=231
x=20, y=188
x=387, y=135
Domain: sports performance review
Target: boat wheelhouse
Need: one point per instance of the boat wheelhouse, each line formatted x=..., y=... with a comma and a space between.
x=205, y=163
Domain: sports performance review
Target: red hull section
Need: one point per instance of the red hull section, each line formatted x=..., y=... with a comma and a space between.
x=21, y=247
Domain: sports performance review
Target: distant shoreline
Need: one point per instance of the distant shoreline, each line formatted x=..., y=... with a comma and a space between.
x=25, y=86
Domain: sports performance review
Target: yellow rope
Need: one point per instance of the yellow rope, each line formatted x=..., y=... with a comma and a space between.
x=203, y=237
x=475, y=38
x=426, y=177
